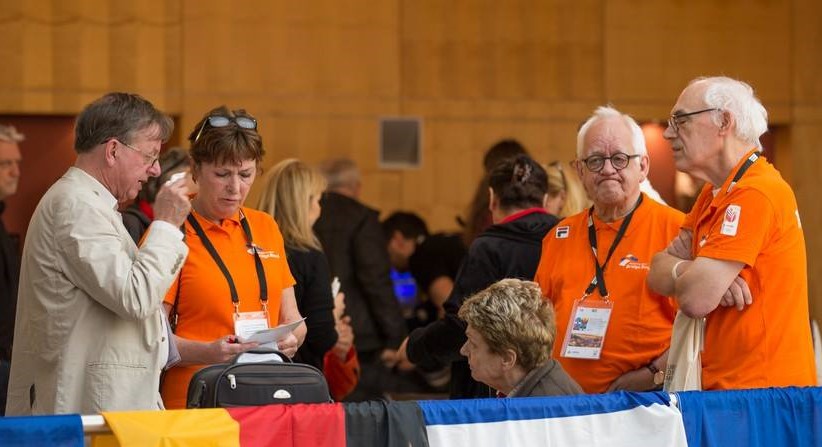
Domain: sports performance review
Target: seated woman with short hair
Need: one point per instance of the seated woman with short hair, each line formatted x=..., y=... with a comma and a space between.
x=510, y=332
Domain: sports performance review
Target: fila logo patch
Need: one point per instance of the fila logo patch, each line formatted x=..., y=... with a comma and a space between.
x=731, y=221
x=562, y=232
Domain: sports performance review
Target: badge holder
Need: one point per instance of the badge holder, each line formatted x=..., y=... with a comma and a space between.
x=587, y=326
x=248, y=323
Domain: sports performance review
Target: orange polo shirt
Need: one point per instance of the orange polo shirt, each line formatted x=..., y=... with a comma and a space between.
x=205, y=310
x=641, y=320
x=757, y=223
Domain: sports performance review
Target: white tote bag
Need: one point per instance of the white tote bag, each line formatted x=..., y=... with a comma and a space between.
x=684, y=369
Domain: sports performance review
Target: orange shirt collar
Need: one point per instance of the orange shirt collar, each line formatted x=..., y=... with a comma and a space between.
x=723, y=190
x=234, y=219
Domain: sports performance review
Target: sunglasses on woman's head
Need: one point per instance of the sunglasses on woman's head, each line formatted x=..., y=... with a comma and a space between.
x=244, y=122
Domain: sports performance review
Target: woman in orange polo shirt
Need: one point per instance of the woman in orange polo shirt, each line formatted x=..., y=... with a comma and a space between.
x=235, y=279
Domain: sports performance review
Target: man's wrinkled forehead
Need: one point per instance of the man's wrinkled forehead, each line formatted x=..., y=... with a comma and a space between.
x=610, y=132
x=691, y=98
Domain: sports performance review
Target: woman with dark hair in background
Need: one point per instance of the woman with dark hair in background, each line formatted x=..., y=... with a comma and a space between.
x=478, y=216
x=508, y=249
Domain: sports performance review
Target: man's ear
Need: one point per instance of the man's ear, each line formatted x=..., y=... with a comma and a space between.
x=726, y=122
x=110, y=150
x=644, y=165
x=578, y=165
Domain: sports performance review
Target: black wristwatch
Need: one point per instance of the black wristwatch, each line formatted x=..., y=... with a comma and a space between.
x=659, y=375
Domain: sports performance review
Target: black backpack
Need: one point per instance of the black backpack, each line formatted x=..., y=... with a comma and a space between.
x=249, y=384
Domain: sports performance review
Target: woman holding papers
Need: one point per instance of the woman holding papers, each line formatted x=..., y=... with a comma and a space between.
x=236, y=279
x=292, y=195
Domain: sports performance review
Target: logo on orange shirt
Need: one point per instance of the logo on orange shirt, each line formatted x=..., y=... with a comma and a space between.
x=631, y=262
x=562, y=232
x=731, y=221
x=264, y=254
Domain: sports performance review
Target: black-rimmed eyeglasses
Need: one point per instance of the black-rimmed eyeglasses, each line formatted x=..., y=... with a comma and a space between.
x=677, y=118
x=619, y=161
x=245, y=122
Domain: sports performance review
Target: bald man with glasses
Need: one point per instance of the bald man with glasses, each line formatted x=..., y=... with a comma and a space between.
x=613, y=332
x=739, y=260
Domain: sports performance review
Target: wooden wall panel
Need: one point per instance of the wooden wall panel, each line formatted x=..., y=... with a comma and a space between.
x=805, y=135
x=62, y=54
x=653, y=48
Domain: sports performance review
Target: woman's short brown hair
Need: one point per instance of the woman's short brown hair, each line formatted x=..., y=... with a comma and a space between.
x=230, y=144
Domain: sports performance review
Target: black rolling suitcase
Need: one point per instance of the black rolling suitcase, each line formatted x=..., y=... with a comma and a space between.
x=249, y=384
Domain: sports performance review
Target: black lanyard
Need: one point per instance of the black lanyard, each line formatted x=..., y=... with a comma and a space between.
x=258, y=263
x=744, y=168
x=599, y=279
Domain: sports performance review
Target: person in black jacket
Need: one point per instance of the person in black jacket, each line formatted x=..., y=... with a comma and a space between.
x=351, y=235
x=510, y=248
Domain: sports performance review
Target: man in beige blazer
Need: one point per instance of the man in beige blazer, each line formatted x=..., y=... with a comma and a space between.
x=90, y=334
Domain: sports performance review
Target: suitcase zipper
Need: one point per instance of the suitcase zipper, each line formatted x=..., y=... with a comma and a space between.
x=232, y=381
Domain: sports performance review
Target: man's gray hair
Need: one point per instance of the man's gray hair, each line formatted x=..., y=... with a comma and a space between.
x=738, y=99
x=10, y=135
x=118, y=116
x=602, y=112
x=340, y=173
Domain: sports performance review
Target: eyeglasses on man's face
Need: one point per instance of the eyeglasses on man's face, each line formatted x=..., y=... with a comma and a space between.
x=678, y=118
x=244, y=122
x=619, y=161
x=148, y=159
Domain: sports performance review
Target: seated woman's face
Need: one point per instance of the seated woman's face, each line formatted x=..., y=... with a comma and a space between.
x=486, y=366
x=223, y=188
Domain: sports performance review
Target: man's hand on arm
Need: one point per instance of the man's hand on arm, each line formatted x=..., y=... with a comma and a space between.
x=738, y=295
x=661, y=278
x=707, y=283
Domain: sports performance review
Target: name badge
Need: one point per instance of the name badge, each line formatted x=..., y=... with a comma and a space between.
x=587, y=326
x=247, y=323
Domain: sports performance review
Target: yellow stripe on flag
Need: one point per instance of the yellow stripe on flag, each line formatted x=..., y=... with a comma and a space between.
x=178, y=428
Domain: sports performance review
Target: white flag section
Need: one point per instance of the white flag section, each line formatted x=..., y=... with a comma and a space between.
x=620, y=419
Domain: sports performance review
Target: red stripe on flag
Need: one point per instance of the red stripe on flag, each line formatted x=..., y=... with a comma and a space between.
x=298, y=425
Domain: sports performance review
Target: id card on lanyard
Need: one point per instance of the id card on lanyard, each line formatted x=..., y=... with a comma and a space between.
x=590, y=316
x=248, y=323
x=587, y=326
x=245, y=323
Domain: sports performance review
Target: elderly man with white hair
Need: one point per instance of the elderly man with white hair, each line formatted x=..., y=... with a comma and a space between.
x=613, y=331
x=739, y=259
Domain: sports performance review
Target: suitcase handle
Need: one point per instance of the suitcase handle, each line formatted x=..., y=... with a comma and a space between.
x=263, y=350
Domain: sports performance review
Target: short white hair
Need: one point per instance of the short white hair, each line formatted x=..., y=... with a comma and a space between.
x=602, y=112
x=10, y=135
x=738, y=99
